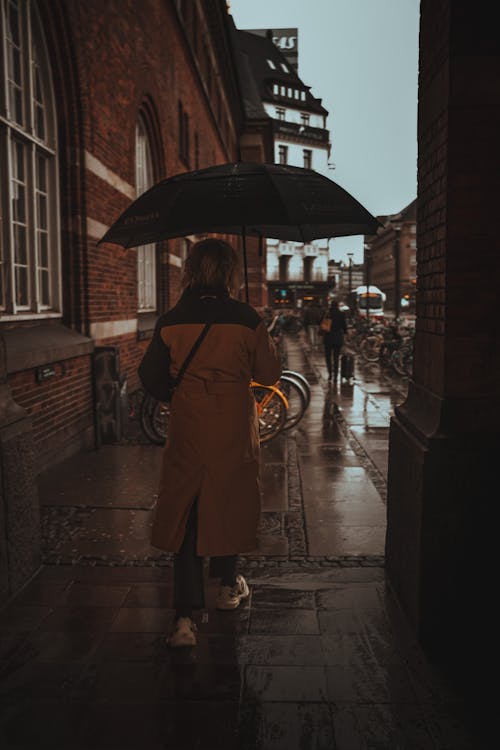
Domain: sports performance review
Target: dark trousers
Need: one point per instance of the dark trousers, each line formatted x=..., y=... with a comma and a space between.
x=332, y=351
x=189, y=591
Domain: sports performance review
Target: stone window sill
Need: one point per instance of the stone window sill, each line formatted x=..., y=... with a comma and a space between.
x=33, y=346
x=146, y=325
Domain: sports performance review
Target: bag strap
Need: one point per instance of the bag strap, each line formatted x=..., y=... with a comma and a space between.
x=191, y=354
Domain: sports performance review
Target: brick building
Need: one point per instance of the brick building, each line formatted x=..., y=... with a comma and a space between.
x=390, y=255
x=120, y=96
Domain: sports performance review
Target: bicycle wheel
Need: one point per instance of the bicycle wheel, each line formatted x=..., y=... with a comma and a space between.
x=297, y=400
x=397, y=362
x=303, y=382
x=370, y=348
x=160, y=418
x=146, y=417
x=271, y=409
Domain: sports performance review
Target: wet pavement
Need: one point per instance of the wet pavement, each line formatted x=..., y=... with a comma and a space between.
x=319, y=656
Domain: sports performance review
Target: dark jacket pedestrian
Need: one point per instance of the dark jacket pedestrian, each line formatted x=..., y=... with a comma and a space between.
x=209, y=491
x=312, y=314
x=311, y=319
x=334, y=339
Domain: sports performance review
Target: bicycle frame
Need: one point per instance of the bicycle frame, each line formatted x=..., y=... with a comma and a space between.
x=267, y=398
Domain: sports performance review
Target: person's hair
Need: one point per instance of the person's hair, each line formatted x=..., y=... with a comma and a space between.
x=211, y=263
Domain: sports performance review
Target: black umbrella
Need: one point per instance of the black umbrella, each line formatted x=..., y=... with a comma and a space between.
x=263, y=200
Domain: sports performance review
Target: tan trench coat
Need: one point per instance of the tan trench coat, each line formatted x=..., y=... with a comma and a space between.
x=212, y=450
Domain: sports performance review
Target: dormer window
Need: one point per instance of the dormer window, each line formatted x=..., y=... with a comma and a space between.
x=284, y=68
x=271, y=64
x=303, y=96
x=276, y=89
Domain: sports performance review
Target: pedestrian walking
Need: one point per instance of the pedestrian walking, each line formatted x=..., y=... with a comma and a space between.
x=333, y=327
x=312, y=318
x=209, y=492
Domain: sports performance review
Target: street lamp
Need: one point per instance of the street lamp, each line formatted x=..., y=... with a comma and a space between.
x=396, y=226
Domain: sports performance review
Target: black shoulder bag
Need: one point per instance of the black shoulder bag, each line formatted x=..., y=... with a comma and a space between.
x=176, y=381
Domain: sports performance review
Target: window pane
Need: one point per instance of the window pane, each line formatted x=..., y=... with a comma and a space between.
x=40, y=122
x=18, y=203
x=13, y=20
x=44, y=287
x=42, y=211
x=21, y=285
x=38, y=84
x=41, y=173
x=44, y=250
x=15, y=69
x=16, y=104
x=20, y=245
x=18, y=162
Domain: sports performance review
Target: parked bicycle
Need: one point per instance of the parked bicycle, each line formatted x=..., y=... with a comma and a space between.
x=279, y=407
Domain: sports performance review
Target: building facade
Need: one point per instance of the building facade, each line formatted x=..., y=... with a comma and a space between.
x=350, y=278
x=390, y=258
x=296, y=273
x=98, y=102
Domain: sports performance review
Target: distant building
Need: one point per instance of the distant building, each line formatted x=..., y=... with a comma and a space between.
x=380, y=252
x=297, y=273
x=357, y=274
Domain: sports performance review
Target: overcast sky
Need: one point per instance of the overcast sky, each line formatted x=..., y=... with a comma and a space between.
x=361, y=58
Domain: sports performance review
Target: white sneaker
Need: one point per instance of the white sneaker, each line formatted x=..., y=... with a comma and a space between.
x=229, y=597
x=183, y=633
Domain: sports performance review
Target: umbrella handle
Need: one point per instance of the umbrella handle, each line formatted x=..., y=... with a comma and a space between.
x=245, y=264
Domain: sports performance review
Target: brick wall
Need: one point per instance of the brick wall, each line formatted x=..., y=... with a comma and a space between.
x=432, y=195
x=60, y=408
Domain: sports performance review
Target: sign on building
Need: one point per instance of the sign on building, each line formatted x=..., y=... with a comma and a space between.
x=287, y=41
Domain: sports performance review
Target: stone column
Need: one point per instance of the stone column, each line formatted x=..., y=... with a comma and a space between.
x=20, y=554
x=444, y=440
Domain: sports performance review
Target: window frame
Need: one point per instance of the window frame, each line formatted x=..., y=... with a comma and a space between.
x=282, y=152
x=146, y=254
x=33, y=57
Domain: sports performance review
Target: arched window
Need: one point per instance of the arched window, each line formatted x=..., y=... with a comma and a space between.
x=146, y=254
x=30, y=266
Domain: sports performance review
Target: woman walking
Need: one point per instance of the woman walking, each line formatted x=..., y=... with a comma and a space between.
x=333, y=339
x=209, y=493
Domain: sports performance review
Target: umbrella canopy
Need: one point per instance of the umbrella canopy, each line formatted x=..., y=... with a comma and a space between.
x=264, y=200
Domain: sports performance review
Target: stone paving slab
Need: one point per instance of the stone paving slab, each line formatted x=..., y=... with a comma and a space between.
x=115, y=476
x=313, y=657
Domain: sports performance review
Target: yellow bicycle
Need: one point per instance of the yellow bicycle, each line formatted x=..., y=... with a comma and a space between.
x=272, y=408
